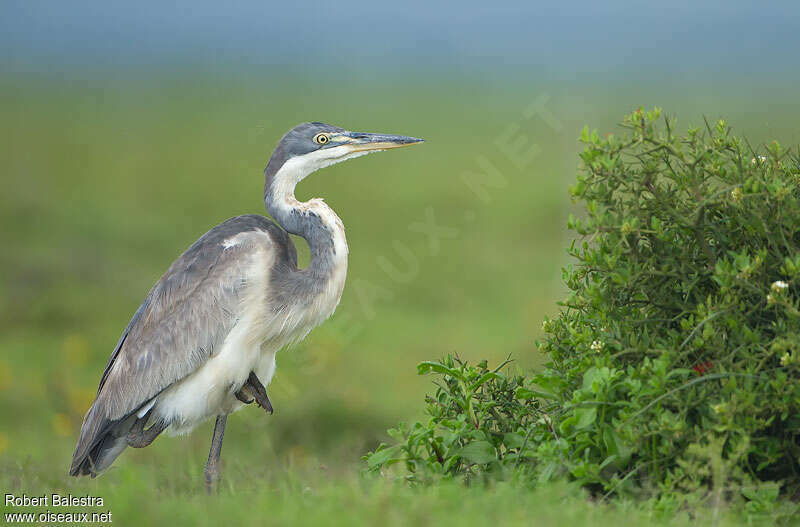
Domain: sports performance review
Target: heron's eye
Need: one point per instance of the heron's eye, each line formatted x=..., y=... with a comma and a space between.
x=321, y=139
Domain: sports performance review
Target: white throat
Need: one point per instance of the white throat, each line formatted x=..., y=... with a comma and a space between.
x=329, y=244
x=297, y=168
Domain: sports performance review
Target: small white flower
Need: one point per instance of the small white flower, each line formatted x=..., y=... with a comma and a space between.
x=779, y=286
x=786, y=359
x=759, y=159
x=597, y=345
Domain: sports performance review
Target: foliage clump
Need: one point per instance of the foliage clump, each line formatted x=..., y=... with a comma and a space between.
x=673, y=365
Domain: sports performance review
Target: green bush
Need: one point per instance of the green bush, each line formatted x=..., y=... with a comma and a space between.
x=475, y=414
x=673, y=363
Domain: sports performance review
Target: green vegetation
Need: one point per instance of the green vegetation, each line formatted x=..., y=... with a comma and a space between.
x=673, y=363
x=106, y=181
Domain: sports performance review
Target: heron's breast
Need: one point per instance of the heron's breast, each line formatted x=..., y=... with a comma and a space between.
x=293, y=317
x=324, y=304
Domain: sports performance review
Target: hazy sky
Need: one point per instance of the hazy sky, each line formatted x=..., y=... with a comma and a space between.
x=581, y=35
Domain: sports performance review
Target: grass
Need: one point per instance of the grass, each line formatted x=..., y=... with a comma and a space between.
x=107, y=181
x=293, y=496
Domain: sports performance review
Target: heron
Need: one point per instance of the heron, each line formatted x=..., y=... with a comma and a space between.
x=203, y=342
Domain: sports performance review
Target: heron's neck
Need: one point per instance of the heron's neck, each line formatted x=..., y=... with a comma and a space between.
x=314, y=220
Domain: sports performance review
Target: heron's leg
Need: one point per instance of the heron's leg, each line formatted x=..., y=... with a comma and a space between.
x=253, y=389
x=212, y=471
x=138, y=437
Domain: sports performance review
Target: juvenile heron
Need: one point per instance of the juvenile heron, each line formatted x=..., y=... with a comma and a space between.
x=203, y=342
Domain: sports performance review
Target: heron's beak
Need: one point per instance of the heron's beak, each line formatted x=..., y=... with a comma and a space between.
x=360, y=141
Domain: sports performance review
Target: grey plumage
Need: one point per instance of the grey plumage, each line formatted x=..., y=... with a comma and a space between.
x=184, y=318
x=213, y=288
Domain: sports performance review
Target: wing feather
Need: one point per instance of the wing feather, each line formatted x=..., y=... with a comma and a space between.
x=182, y=322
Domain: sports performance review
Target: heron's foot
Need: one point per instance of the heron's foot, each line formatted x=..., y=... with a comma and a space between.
x=253, y=390
x=245, y=394
x=139, y=437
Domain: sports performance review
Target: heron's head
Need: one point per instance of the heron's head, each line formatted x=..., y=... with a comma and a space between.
x=310, y=146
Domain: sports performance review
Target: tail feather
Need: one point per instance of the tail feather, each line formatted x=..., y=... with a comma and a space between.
x=101, y=441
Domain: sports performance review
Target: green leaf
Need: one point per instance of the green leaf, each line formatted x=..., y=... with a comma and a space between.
x=607, y=461
x=591, y=375
x=437, y=367
x=616, y=446
x=514, y=440
x=529, y=393
x=585, y=417
x=479, y=452
x=383, y=456
x=483, y=378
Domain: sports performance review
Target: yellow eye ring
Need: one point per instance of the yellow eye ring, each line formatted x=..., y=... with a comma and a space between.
x=321, y=139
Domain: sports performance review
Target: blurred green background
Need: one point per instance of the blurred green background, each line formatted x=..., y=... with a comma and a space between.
x=117, y=153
